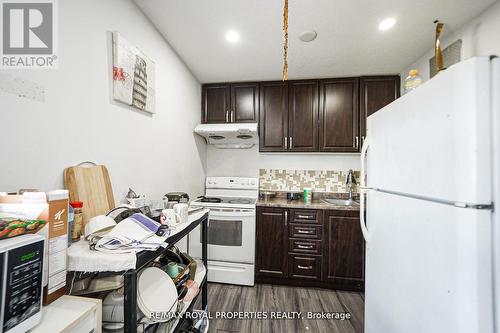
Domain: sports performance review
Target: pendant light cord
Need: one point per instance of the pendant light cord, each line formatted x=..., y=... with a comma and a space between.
x=285, y=43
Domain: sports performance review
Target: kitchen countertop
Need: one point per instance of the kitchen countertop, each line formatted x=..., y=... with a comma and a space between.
x=315, y=204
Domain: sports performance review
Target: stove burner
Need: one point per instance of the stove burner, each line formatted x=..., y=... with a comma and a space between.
x=240, y=201
x=210, y=199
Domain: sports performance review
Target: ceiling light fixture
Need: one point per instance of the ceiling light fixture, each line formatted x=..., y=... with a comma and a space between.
x=232, y=36
x=308, y=36
x=387, y=23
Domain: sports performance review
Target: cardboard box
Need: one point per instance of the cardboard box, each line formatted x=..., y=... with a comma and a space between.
x=51, y=207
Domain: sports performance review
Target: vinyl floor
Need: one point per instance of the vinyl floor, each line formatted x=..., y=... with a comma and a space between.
x=283, y=301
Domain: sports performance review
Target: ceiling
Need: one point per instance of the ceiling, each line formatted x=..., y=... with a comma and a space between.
x=348, y=42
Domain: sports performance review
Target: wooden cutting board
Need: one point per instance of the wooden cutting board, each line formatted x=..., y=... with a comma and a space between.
x=90, y=184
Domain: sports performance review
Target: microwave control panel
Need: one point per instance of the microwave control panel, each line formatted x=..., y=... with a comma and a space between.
x=23, y=283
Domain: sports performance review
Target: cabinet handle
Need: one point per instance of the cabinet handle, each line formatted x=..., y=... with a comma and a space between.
x=304, y=217
x=286, y=142
x=357, y=142
x=304, y=246
x=291, y=142
x=232, y=116
x=227, y=116
x=304, y=267
x=362, y=140
x=300, y=231
x=286, y=218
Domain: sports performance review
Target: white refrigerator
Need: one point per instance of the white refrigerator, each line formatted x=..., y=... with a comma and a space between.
x=430, y=174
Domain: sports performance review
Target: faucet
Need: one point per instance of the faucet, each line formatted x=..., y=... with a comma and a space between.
x=350, y=182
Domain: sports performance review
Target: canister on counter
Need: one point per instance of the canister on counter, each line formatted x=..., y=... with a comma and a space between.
x=76, y=228
x=307, y=194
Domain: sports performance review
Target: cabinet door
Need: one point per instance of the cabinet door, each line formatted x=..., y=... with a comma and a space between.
x=271, y=242
x=344, y=248
x=338, y=115
x=375, y=93
x=215, y=103
x=303, y=115
x=273, y=116
x=244, y=102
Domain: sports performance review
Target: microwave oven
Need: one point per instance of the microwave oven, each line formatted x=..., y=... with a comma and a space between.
x=21, y=281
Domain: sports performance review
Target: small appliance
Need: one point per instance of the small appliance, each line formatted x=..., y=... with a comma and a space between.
x=176, y=197
x=231, y=229
x=21, y=270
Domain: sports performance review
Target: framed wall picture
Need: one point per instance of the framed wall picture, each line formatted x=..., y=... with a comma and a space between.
x=133, y=75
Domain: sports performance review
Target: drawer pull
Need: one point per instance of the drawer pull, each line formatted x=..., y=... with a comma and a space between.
x=304, y=267
x=300, y=231
x=304, y=217
x=304, y=246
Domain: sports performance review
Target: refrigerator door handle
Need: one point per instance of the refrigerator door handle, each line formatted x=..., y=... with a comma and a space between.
x=363, y=189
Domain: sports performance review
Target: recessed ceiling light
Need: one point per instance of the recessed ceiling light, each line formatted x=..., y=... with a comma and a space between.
x=387, y=23
x=308, y=36
x=232, y=36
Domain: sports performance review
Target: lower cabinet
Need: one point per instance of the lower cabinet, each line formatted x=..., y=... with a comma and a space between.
x=344, y=249
x=271, y=242
x=309, y=248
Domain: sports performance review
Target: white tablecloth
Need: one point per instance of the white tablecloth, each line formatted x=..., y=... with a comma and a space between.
x=82, y=259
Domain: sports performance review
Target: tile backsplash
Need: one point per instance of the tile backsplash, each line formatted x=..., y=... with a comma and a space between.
x=295, y=180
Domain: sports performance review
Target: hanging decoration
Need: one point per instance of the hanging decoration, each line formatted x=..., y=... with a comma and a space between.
x=285, y=42
x=437, y=47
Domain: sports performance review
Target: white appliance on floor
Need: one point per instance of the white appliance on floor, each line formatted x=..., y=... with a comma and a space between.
x=231, y=229
x=433, y=167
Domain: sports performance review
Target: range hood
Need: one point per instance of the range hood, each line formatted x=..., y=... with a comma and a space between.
x=240, y=135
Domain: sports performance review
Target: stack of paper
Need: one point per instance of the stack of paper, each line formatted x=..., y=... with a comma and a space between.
x=134, y=234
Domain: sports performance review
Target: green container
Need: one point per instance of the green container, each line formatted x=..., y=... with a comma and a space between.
x=307, y=194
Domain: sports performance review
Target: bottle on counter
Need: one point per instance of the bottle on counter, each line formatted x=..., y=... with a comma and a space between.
x=412, y=81
x=76, y=229
x=307, y=194
x=70, y=223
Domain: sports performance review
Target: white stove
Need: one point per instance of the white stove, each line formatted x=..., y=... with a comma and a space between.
x=231, y=229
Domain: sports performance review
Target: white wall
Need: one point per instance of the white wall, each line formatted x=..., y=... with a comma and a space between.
x=247, y=162
x=480, y=37
x=78, y=120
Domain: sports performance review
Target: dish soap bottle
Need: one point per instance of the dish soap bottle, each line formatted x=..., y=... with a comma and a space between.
x=413, y=80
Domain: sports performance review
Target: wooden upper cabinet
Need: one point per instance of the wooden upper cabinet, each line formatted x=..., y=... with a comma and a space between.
x=327, y=115
x=230, y=103
x=244, y=102
x=338, y=115
x=216, y=103
x=271, y=242
x=273, y=116
x=375, y=93
x=303, y=115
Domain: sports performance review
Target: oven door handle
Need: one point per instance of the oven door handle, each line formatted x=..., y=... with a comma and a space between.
x=214, y=213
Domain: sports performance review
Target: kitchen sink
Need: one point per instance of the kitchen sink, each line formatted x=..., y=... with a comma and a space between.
x=341, y=202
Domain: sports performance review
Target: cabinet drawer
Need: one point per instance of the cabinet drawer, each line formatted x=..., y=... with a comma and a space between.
x=305, y=267
x=306, y=216
x=305, y=246
x=309, y=231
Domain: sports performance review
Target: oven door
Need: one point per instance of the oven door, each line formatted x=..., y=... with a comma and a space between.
x=231, y=236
